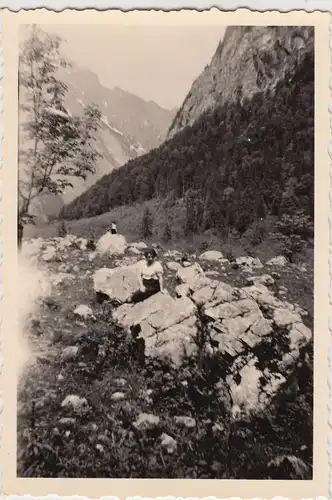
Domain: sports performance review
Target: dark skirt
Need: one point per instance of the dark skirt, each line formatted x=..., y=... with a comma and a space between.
x=113, y=231
x=151, y=287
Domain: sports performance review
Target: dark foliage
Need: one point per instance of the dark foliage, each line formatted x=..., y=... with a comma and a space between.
x=103, y=442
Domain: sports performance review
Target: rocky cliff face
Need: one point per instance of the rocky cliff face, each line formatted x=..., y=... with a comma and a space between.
x=248, y=60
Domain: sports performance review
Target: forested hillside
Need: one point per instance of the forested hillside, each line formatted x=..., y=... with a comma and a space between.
x=235, y=165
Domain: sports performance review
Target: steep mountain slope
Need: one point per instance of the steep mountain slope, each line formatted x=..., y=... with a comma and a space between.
x=130, y=125
x=144, y=123
x=238, y=163
x=247, y=61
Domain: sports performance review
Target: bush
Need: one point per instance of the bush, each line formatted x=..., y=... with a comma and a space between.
x=147, y=223
x=167, y=234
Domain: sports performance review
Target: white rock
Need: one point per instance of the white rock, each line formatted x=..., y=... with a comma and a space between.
x=82, y=243
x=67, y=241
x=118, y=396
x=111, y=244
x=172, y=254
x=118, y=284
x=285, y=317
x=156, y=313
x=280, y=260
x=75, y=402
x=146, y=421
x=189, y=274
x=69, y=352
x=182, y=290
x=184, y=421
x=92, y=256
x=83, y=311
x=121, y=382
x=134, y=250
x=211, y=256
x=212, y=274
x=265, y=279
x=173, y=266
x=140, y=245
x=248, y=263
x=168, y=443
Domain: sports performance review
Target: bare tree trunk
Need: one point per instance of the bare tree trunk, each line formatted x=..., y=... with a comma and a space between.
x=20, y=229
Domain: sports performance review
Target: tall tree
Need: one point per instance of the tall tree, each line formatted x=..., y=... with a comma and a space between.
x=55, y=146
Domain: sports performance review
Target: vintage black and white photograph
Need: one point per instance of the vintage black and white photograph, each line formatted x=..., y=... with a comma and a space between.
x=165, y=234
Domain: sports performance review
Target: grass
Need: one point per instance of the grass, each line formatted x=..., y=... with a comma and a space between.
x=102, y=442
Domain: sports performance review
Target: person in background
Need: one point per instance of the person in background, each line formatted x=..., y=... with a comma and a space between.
x=113, y=228
x=150, y=275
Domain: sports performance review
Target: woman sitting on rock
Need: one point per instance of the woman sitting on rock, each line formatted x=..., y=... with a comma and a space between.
x=150, y=275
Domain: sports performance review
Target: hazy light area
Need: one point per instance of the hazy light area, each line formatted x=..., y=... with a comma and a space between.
x=156, y=63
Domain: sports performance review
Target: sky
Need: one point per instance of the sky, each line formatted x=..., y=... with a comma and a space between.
x=156, y=63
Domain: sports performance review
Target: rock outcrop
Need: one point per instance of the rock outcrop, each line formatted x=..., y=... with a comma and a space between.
x=118, y=284
x=168, y=325
x=249, y=59
x=258, y=335
x=111, y=244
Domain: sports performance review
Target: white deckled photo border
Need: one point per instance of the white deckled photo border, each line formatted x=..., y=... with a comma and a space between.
x=8, y=195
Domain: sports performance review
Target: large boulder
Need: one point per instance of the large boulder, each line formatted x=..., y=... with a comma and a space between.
x=212, y=256
x=249, y=263
x=280, y=260
x=140, y=245
x=118, y=284
x=111, y=244
x=190, y=275
x=168, y=325
x=258, y=334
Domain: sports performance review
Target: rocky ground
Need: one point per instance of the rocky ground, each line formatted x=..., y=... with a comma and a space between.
x=215, y=383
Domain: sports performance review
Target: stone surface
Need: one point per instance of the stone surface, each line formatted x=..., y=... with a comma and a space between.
x=83, y=311
x=168, y=325
x=190, y=274
x=74, y=402
x=49, y=254
x=139, y=245
x=146, y=421
x=184, y=421
x=173, y=266
x=118, y=396
x=265, y=279
x=248, y=263
x=211, y=256
x=168, y=443
x=118, y=284
x=182, y=290
x=280, y=261
x=69, y=353
x=111, y=244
